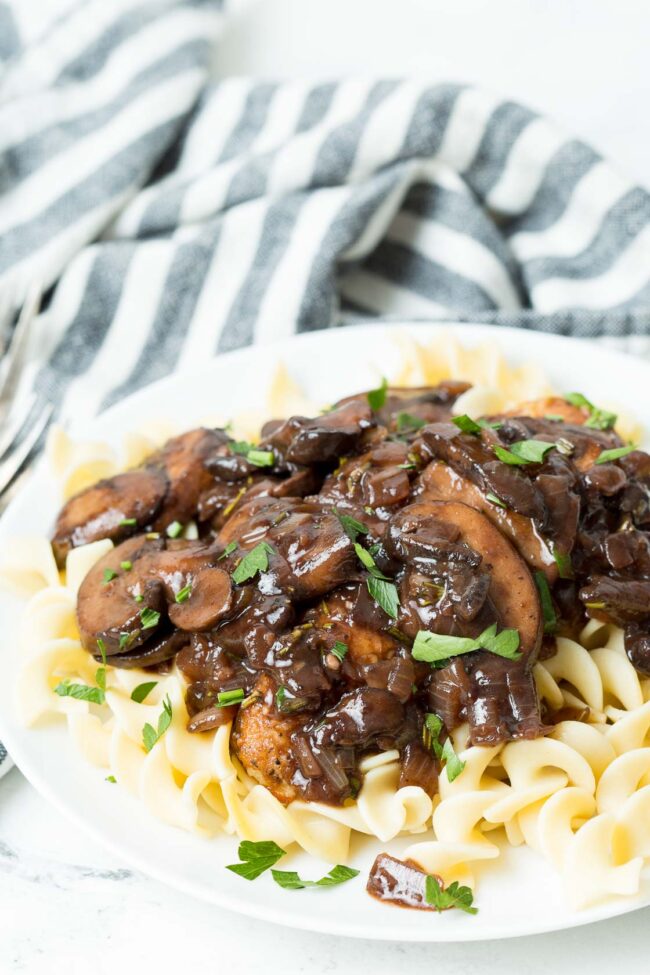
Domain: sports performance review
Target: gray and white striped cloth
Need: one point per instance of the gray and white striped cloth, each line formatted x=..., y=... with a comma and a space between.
x=175, y=218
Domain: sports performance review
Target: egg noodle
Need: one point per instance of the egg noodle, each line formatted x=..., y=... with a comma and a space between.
x=580, y=796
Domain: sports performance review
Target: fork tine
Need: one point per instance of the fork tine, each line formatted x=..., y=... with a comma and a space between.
x=15, y=458
x=18, y=348
x=15, y=423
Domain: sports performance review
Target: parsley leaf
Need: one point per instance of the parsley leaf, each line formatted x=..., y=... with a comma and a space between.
x=406, y=421
x=111, y=778
x=228, y=550
x=453, y=765
x=256, y=858
x=289, y=879
x=495, y=500
x=598, y=419
x=151, y=735
x=109, y=574
x=377, y=397
x=226, y=698
x=183, y=594
x=466, y=424
x=139, y=693
x=129, y=521
x=563, y=562
x=546, y=601
x=432, y=647
x=257, y=560
x=605, y=456
x=385, y=593
x=149, y=618
x=174, y=530
x=351, y=526
x=260, y=458
x=524, y=452
x=339, y=650
x=82, y=692
x=432, y=729
x=454, y=895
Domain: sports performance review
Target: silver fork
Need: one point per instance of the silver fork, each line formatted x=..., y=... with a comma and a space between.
x=21, y=426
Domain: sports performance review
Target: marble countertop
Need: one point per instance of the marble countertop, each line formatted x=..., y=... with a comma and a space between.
x=68, y=906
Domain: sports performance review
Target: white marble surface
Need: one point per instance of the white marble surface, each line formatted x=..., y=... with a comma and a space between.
x=68, y=906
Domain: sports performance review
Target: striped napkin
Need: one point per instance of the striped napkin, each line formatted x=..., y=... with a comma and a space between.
x=174, y=217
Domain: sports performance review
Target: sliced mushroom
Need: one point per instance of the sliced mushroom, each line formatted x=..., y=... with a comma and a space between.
x=185, y=462
x=109, y=607
x=324, y=438
x=163, y=646
x=439, y=482
x=113, y=508
x=209, y=600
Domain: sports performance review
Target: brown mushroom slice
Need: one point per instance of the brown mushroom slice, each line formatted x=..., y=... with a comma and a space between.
x=324, y=438
x=439, y=482
x=208, y=600
x=184, y=460
x=163, y=646
x=107, y=607
x=113, y=508
x=512, y=589
x=261, y=740
x=473, y=457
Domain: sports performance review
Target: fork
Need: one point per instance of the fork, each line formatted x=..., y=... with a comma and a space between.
x=21, y=426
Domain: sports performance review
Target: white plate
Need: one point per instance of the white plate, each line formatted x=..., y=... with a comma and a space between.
x=518, y=894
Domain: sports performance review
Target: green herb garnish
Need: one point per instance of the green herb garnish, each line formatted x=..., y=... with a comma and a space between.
x=126, y=565
x=151, y=735
x=433, y=647
x=495, y=500
x=174, y=530
x=432, y=729
x=563, y=562
x=149, y=618
x=466, y=425
x=256, y=858
x=111, y=778
x=380, y=587
x=407, y=422
x=598, y=419
x=124, y=640
x=81, y=692
x=257, y=560
x=183, y=594
x=351, y=526
x=142, y=691
x=289, y=879
x=261, y=458
x=228, y=550
x=443, y=898
x=128, y=521
x=377, y=397
x=546, y=601
x=109, y=575
x=226, y=698
x=339, y=650
x=605, y=456
x=453, y=765
x=524, y=452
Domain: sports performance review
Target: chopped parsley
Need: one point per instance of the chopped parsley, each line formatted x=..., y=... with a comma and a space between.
x=126, y=565
x=128, y=521
x=563, y=562
x=339, y=650
x=256, y=857
x=453, y=764
x=289, y=879
x=142, y=691
x=524, y=452
x=85, y=692
x=174, y=530
x=228, y=550
x=598, y=419
x=109, y=575
x=151, y=735
x=380, y=587
x=351, y=526
x=377, y=397
x=257, y=560
x=149, y=618
x=431, y=733
x=466, y=425
x=226, y=698
x=615, y=453
x=406, y=422
x=111, y=778
x=495, y=500
x=546, y=602
x=184, y=594
x=443, y=898
x=433, y=647
x=260, y=458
